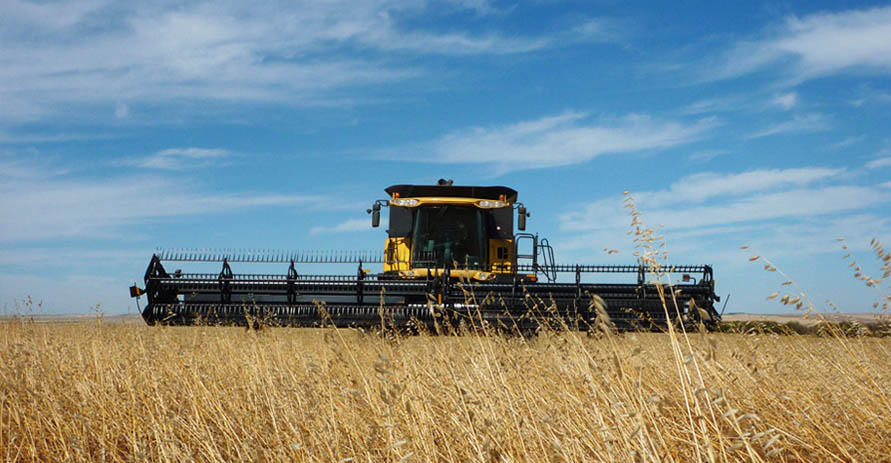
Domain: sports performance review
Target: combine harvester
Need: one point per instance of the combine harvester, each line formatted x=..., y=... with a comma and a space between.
x=451, y=257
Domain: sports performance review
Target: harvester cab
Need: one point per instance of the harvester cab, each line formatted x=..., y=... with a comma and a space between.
x=468, y=230
x=451, y=256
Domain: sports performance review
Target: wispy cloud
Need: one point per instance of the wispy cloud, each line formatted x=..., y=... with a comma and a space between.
x=879, y=163
x=123, y=54
x=866, y=94
x=564, y=139
x=714, y=105
x=798, y=211
x=704, y=186
x=753, y=195
x=7, y=138
x=817, y=45
x=806, y=123
x=753, y=101
x=597, y=30
x=193, y=153
x=121, y=111
x=351, y=225
x=768, y=206
x=44, y=257
x=786, y=101
x=16, y=169
x=177, y=158
x=43, y=205
x=850, y=141
x=706, y=155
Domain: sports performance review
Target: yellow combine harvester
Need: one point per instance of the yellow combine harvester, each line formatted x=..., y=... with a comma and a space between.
x=451, y=256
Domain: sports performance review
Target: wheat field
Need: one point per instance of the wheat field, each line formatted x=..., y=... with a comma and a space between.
x=117, y=392
x=100, y=391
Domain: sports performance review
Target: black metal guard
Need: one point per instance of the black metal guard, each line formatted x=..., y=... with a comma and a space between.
x=225, y=279
x=290, y=298
x=292, y=282
x=269, y=256
x=360, y=278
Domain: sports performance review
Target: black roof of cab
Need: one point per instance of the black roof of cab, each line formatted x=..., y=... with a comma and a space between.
x=451, y=191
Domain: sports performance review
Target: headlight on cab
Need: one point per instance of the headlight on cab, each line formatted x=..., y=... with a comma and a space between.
x=404, y=202
x=489, y=204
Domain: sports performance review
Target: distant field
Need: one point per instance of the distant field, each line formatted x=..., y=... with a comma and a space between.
x=90, y=391
x=784, y=318
x=865, y=318
x=75, y=318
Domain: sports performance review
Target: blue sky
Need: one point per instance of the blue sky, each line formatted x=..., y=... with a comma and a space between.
x=133, y=125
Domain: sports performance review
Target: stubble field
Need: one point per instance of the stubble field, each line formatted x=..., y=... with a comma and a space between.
x=92, y=391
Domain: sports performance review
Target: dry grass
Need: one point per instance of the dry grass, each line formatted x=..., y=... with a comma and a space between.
x=100, y=391
x=862, y=318
x=116, y=392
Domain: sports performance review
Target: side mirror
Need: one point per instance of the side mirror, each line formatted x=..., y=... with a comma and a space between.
x=521, y=218
x=375, y=215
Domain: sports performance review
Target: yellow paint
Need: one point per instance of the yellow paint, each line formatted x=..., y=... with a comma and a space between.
x=502, y=265
x=397, y=255
x=448, y=200
x=398, y=259
x=398, y=252
x=475, y=275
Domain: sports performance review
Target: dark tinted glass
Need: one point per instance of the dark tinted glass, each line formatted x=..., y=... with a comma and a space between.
x=448, y=234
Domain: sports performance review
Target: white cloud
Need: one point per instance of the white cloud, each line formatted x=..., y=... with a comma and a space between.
x=193, y=153
x=879, y=163
x=54, y=54
x=24, y=138
x=712, y=105
x=871, y=95
x=703, y=186
x=707, y=155
x=741, y=102
x=46, y=205
x=177, y=158
x=753, y=196
x=786, y=101
x=351, y=225
x=596, y=29
x=121, y=111
x=565, y=139
x=49, y=257
x=708, y=215
x=847, y=142
x=819, y=44
x=481, y=7
x=768, y=206
x=808, y=123
x=15, y=169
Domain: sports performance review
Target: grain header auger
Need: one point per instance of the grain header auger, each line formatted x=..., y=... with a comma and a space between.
x=451, y=257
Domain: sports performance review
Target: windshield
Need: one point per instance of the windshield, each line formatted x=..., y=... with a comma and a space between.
x=447, y=235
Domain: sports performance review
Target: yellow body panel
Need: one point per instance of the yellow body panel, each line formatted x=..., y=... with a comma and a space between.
x=448, y=200
x=398, y=259
x=502, y=258
x=476, y=275
x=397, y=255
